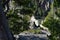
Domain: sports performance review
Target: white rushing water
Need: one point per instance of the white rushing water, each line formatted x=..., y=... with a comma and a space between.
x=32, y=20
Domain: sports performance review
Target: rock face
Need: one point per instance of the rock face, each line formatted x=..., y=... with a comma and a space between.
x=4, y=30
x=2, y=34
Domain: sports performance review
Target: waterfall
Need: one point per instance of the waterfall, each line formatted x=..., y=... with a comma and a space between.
x=32, y=21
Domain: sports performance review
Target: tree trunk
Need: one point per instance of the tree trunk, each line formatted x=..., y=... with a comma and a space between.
x=5, y=33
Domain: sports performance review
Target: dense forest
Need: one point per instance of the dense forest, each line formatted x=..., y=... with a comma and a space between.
x=19, y=14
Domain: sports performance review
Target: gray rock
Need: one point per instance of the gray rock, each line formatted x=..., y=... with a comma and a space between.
x=31, y=37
